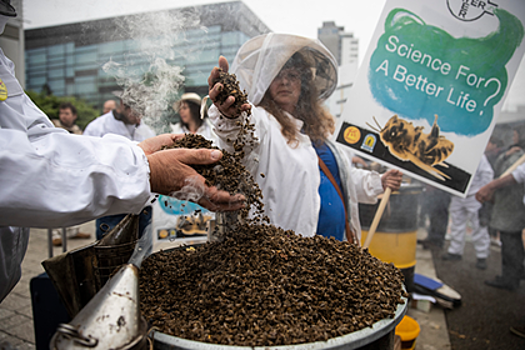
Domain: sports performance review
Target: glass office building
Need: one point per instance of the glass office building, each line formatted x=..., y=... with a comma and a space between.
x=73, y=59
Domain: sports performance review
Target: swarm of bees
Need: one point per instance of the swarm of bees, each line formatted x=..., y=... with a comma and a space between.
x=408, y=143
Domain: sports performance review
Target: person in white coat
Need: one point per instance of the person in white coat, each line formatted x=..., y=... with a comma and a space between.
x=287, y=78
x=464, y=210
x=51, y=178
x=122, y=120
x=126, y=121
x=189, y=107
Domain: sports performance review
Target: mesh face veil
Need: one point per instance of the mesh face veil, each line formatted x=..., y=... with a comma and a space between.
x=260, y=59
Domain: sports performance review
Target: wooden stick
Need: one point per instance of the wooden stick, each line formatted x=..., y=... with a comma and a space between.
x=377, y=217
x=513, y=166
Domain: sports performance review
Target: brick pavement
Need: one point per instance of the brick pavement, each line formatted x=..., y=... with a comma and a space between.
x=16, y=315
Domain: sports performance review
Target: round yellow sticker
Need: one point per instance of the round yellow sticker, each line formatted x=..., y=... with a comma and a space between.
x=3, y=91
x=163, y=234
x=352, y=135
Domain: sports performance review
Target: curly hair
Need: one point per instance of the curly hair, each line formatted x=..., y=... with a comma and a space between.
x=319, y=124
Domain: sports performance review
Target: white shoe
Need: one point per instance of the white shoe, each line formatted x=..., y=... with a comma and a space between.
x=495, y=241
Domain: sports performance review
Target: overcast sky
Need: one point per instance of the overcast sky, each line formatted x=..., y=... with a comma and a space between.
x=298, y=17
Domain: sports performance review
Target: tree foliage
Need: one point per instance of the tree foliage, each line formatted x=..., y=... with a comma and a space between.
x=50, y=104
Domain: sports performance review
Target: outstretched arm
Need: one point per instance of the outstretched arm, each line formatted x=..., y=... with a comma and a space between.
x=486, y=193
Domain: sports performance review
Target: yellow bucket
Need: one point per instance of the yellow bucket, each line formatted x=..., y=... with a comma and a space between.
x=396, y=248
x=408, y=329
x=395, y=240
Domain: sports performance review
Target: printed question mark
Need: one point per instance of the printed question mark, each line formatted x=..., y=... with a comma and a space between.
x=494, y=94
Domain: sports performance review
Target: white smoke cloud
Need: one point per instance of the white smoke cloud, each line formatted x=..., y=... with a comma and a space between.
x=150, y=71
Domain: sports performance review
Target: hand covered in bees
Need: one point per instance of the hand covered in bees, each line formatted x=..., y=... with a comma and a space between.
x=227, y=104
x=392, y=179
x=154, y=144
x=170, y=172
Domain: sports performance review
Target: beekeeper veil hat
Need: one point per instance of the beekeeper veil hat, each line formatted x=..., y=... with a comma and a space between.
x=188, y=97
x=260, y=59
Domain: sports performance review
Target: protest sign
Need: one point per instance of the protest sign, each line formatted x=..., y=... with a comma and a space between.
x=431, y=86
x=177, y=222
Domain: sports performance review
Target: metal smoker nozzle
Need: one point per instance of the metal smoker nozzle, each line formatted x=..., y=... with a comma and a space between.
x=224, y=222
x=111, y=320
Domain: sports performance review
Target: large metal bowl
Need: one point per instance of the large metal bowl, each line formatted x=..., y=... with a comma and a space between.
x=356, y=340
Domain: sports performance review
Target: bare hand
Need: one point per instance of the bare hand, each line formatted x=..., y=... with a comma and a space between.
x=392, y=179
x=227, y=109
x=512, y=151
x=485, y=194
x=171, y=174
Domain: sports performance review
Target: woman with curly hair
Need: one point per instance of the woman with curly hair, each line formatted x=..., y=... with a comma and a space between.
x=307, y=181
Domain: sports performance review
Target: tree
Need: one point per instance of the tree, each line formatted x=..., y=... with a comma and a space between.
x=50, y=104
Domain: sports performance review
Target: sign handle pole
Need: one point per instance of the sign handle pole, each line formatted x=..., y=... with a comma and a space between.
x=513, y=166
x=377, y=217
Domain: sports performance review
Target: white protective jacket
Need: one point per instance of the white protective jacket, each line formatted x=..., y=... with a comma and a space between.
x=107, y=124
x=290, y=177
x=205, y=130
x=484, y=174
x=50, y=178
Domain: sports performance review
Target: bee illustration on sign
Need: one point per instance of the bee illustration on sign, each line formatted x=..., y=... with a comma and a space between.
x=408, y=143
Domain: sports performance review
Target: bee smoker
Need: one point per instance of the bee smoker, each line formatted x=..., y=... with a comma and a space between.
x=111, y=320
x=80, y=273
x=225, y=222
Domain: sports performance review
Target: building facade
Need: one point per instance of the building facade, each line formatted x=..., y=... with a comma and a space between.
x=71, y=59
x=345, y=47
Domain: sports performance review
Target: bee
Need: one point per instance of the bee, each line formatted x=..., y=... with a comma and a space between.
x=408, y=143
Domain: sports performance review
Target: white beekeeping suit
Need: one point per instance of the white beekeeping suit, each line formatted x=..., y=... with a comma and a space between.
x=290, y=177
x=42, y=168
x=205, y=130
x=464, y=210
x=107, y=124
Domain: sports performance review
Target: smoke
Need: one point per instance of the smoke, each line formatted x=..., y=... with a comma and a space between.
x=192, y=191
x=151, y=69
